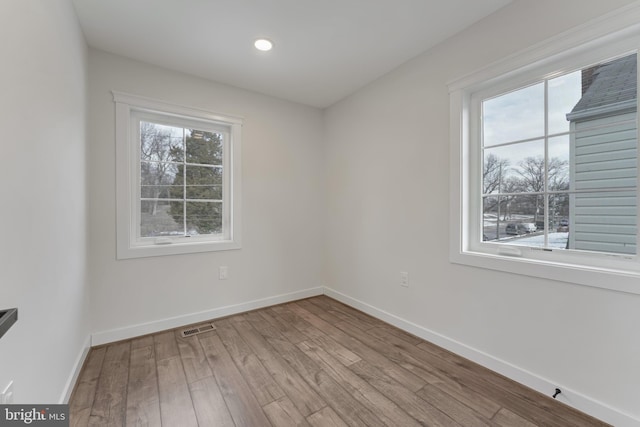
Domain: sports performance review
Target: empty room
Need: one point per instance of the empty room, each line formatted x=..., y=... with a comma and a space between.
x=336, y=213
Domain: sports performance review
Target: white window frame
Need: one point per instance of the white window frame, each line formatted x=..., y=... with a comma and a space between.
x=609, y=36
x=130, y=109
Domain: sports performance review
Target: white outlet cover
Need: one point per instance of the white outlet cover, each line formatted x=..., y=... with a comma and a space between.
x=223, y=272
x=404, y=279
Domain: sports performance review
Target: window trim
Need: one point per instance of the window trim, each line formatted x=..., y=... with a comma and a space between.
x=608, y=36
x=127, y=107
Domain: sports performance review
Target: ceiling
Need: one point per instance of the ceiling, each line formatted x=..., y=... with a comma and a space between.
x=324, y=49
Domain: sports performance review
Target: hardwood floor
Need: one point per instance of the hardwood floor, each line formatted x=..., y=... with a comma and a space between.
x=314, y=362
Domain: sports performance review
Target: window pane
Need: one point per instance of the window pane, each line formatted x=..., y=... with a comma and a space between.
x=204, y=148
x=161, y=218
x=204, y=182
x=515, y=116
x=564, y=93
x=558, y=163
x=204, y=218
x=603, y=222
x=514, y=168
x=559, y=208
x=494, y=218
x=521, y=215
x=158, y=180
x=508, y=218
x=160, y=143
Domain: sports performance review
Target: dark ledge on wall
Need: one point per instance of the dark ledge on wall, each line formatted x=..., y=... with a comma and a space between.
x=7, y=318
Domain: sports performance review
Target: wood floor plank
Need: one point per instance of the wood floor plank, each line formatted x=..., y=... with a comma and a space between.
x=166, y=345
x=395, y=355
x=384, y=408
x=339, y=351
x=521, y=400
x=306, y=399
x=350, y=409
x=345, y=313
x=109, y=405
x=242, y=404
x=382, y=332
x=315, y=316
x=176, y=406
x=210, y=406
x=287, y=329
x=196, y=366
x=456, y=410
x=305, y=366
x=298, y=322
x=442, y=371
x=467, y=389
x=283, y=413
x=506, y=418
x=326, y=417
x=412, y=404
x=82, y=400
x=261, y=382
x=143, y=398
x=476, y=401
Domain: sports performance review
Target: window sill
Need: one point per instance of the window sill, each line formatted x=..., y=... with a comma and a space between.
x=614, y=280
x=129, y=252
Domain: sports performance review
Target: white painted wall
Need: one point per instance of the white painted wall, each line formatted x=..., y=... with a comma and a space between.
x=282, y=204
x=387, y=154
x=43, y=193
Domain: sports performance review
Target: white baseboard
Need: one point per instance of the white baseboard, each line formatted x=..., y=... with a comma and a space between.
x=113, y=335
x=568, y=396
x=75, y=372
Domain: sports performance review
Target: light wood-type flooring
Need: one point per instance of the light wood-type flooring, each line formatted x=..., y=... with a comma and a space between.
x=314, y=362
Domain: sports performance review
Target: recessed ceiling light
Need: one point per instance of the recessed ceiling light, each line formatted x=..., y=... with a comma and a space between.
x=263, y=44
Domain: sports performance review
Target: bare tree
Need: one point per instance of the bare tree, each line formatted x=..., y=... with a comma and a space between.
x=532, y=177
x=494, y=173
x=156, y=169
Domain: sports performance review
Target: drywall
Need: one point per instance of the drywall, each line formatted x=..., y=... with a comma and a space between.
x=282, y=205
x=387, y=154
x=43, y=193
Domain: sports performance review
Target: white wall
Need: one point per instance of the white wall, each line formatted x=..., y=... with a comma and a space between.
x=282, y=204
x=43, y=193
x=387, y=154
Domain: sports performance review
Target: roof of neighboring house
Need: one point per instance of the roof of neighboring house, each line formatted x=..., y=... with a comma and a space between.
x=613, y=87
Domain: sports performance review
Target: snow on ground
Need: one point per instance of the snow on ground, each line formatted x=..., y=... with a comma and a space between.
x=557, y=240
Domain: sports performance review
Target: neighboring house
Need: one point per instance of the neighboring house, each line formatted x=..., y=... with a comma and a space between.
x=603, y=157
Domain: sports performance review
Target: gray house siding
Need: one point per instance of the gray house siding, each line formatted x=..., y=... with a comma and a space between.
x=603, y=156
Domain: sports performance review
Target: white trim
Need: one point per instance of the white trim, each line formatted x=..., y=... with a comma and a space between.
x=75, y=372
x=545, y=386
x=119, y=334
x=163, y=107
x=127, y=105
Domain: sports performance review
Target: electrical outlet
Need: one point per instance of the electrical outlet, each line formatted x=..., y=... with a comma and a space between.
x=6, y=398
x=404, y=279
x=223, y=272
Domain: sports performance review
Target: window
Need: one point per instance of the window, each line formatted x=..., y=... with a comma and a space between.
x=559, y=162
x=544, y=161
x=178, y=179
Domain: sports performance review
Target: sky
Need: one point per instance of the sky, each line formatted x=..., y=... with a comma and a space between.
x=520, y=115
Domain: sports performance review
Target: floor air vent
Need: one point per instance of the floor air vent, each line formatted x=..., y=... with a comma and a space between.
x=198, y=329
